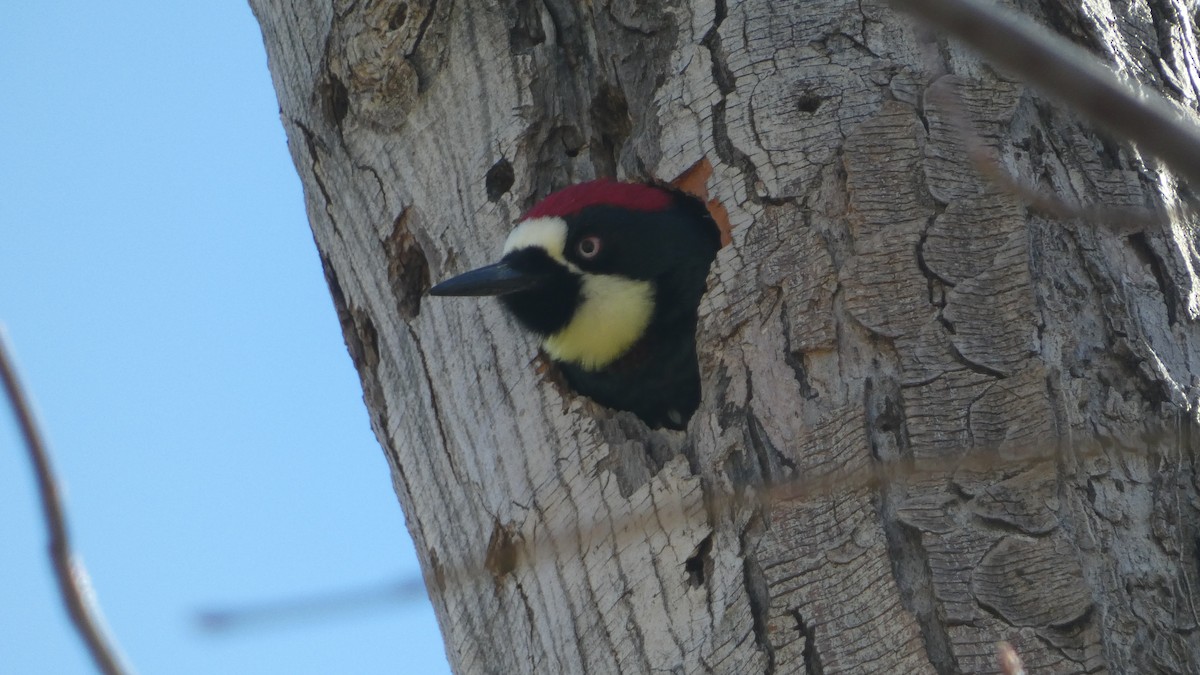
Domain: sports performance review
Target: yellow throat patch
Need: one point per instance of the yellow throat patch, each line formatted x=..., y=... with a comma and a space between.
x=613, y=315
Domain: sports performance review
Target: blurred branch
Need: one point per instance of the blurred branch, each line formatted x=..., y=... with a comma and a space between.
x=1009, y=660
x=994, y=460
x=313, y=607
x=1119, y=220
x=70, y=574
x=1071, y=75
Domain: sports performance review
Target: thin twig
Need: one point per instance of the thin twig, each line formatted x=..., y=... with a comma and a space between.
x=1070, y=74
x=69, y=573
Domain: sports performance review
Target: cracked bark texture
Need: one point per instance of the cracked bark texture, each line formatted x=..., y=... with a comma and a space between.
x=879, y=301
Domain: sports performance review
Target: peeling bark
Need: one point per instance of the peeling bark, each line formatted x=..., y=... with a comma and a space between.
x=880, y=302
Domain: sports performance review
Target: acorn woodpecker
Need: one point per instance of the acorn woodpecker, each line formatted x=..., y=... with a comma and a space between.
x=610, y=275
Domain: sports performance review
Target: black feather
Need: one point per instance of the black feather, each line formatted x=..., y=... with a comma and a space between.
x=658, y=379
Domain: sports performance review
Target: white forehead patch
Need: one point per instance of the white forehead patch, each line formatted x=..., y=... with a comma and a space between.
x=549, y=234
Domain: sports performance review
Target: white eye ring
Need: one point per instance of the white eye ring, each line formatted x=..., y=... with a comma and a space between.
x=589, y=247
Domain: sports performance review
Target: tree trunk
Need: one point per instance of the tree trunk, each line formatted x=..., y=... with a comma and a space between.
x=880, y=302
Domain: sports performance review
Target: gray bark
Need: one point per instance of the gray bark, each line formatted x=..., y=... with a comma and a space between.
x=880, y=301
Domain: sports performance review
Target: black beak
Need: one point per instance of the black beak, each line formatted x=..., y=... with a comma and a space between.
x=495, y=279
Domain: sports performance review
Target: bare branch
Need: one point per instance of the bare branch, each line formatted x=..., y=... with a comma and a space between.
x=69, y=573
x=1070, y=74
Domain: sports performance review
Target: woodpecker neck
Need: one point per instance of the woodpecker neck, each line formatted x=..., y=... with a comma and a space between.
x=586, y=319
x=612, y=314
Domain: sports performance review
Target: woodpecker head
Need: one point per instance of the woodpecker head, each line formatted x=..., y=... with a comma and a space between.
x=609, y=275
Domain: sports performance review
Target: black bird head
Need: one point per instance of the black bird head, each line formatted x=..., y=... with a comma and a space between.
x=610, y=275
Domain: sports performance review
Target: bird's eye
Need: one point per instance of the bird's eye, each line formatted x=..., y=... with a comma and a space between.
x=588, y=247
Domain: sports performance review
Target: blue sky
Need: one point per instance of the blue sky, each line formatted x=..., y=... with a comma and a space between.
x=161, y=290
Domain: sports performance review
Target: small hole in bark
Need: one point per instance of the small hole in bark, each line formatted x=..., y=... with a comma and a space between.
x=338, y=98
x=439, y=574
x=408, y=268
x=499, y=180
x=398, y=17
x=525, y=26
x=571, y=139
x=345, y=318
x=367, y=341
x=808, y=102
x=501, y=558
x=612, y=123
x=698, y=563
